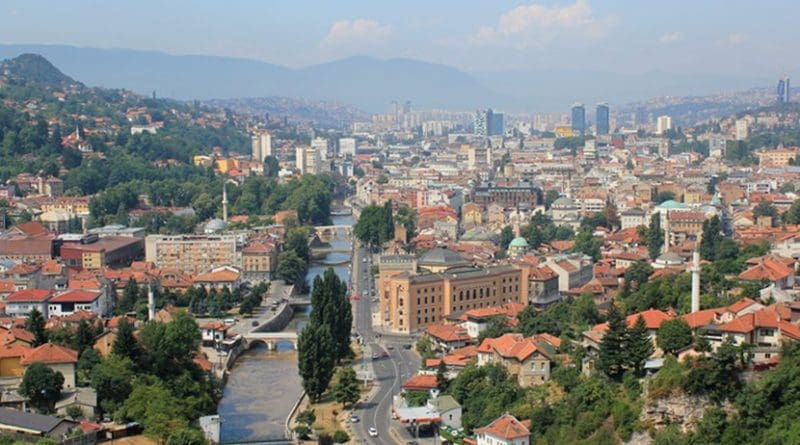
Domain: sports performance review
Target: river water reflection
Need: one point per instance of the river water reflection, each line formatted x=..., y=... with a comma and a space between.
x=263, y=385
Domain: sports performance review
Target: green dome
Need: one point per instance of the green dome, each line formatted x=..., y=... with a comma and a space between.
x=518, y=242
x=671, y=204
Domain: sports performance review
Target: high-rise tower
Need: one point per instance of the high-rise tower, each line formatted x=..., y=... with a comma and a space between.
x=601, y=116
x=579, y=119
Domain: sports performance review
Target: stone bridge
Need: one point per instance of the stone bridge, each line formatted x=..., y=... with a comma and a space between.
x=271, y=339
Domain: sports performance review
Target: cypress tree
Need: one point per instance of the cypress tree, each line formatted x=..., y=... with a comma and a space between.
x=315, y=359
x=640, y=347
x=655, y=236
x=126, y=345
x=35, y=325
x=613, y=353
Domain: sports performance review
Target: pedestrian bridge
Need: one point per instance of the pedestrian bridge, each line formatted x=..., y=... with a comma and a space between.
x=271, y=339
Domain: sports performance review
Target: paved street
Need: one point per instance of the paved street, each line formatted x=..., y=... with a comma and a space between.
x=390, y=372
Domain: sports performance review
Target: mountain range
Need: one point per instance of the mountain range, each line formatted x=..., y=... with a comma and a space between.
x=365, y=82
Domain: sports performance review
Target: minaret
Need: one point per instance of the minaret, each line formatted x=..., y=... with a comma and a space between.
x=151, y=303
x=695, y=281
x=225, y=201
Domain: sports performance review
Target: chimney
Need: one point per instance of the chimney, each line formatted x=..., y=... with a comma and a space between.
x=695, y=281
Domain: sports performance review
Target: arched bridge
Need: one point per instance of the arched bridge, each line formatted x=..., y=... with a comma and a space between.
x=271, y=339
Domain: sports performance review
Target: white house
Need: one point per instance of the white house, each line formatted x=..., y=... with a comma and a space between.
x=505, y=430
x=21, y=303
x=71, y=301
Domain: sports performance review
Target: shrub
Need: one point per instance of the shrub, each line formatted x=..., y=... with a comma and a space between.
x=341, y=437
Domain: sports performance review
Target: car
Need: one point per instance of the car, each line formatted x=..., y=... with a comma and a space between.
x=390, y=347
x=364, y=260
x=355, y=298
x=407, y=346
x=255, y=323
x=372, y=431
x=230, y=321
x=354, y=419
x=384, y=354
x=374, y=299
x=375, y=356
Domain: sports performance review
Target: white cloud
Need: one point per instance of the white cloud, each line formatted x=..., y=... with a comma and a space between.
x=356, y=31
x=671, y=37
x=536, y=24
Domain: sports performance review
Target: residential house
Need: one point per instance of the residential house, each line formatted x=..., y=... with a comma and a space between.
x=71, y=301
x=447, y=337
x=220, y=277
x=57, y=358
x=529, y=359
x=34, y=425
x=505, y=430
x=449, y=410
x=213, y=333
x=10, y=357
x=21, y=303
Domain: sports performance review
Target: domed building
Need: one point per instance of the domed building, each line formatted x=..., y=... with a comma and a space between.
x=215, y=225
x=439, y=259
x=518, y=247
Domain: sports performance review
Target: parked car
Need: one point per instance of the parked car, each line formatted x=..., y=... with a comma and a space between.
x=354, y=419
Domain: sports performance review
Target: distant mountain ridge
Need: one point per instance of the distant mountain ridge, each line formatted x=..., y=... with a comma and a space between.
x=34, y=68
x=365, y=82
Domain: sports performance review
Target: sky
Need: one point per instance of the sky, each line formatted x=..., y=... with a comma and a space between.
x=732, y=37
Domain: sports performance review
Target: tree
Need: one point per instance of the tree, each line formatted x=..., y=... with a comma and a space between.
x=42, y=386
x=341, y=437
x=792, y=216
x=711, y=238
x=655, y=236
x=156, y=409
x=126, y=345
x=331, y=307
x=35, y=325
x=674, y=335
x=84, y=337
x=765, y=208
x=375, y=225
x=112, y=380
x=613, y=346
x=638, y=272
x=297, y=241
x=130, y=295
x=549, y=197
x=271, y=167
x=307, y=417
x=187, y=436
x=315, y=359
x=345, y=390
x=612, y=216
x=587, y=243
x=497, y=326
x=291, y=268
x=506, y=236
x=640, y=346
x=441, y=376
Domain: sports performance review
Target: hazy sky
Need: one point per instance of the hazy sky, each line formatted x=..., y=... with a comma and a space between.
x=748, y=38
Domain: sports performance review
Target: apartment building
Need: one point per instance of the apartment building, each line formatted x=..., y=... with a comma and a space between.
x=191, y=253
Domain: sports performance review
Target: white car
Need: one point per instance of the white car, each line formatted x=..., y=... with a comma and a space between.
x=372, y=432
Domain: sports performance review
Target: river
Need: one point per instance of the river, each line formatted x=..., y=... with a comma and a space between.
x=263, y=385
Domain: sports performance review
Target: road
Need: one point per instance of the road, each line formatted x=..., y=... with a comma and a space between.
x=390, y=372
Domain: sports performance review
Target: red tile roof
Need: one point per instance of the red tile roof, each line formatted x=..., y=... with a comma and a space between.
x=49, y=353
x=76, y=296
x=768, y=269
x=420, y=382
x=14, y=350
x=511, y=346
x=36, y=295
x=505, y=427
x=701, y=318
x=447, y=333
